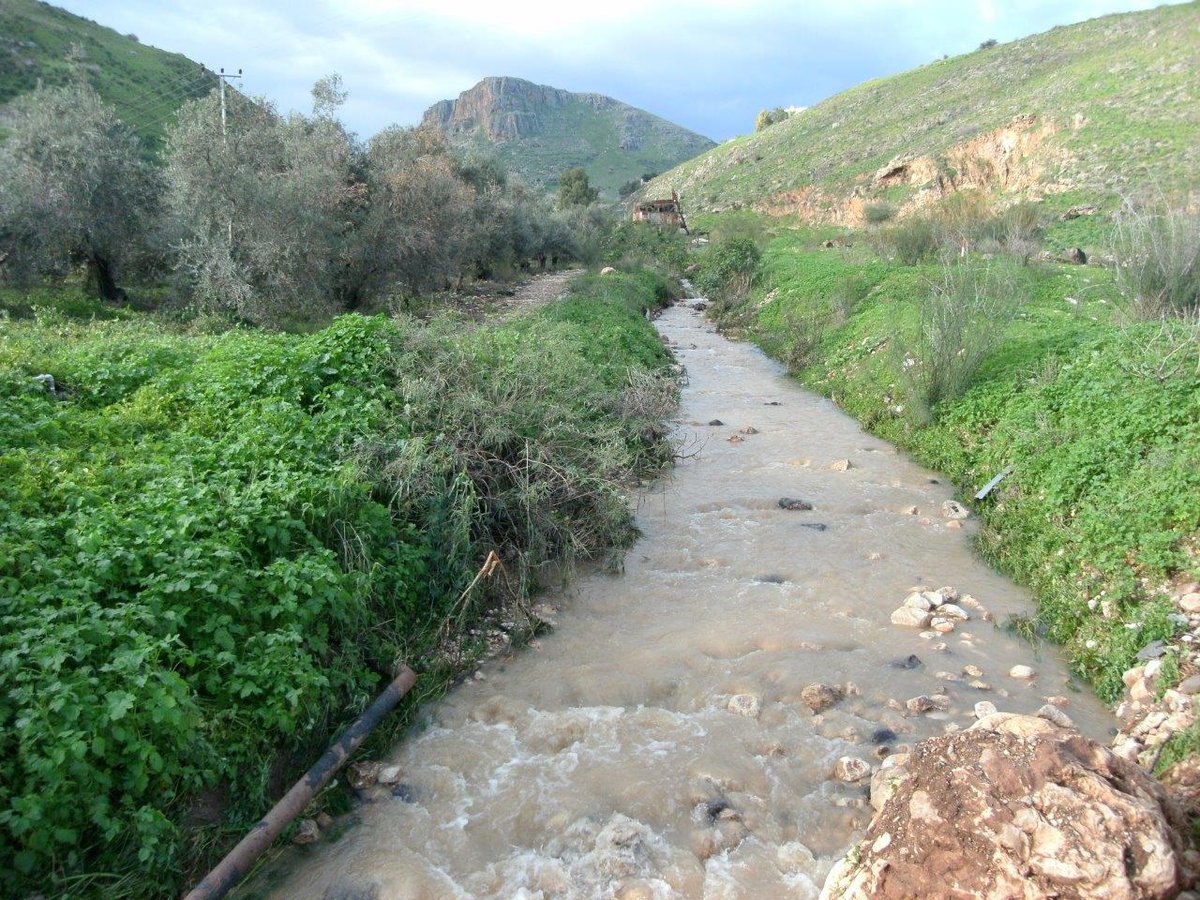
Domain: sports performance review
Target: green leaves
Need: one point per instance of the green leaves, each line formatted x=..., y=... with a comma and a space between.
x=211, y=547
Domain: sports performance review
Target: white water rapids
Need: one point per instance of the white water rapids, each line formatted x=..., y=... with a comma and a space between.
x=606, y=761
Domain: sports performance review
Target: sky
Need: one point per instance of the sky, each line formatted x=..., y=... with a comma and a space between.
x=708, y=65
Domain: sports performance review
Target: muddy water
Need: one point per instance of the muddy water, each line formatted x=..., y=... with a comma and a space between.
x=606, y=762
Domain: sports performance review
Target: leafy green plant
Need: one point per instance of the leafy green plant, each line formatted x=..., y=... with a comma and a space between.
x=213, y=548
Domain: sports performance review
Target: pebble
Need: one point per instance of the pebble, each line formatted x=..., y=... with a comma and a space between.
x=911, y=617
x=984, y=708
x=307, y=832
x=716, y=422
x=952, y=509
x=749, y=429
x=324, y=820
x=1021, y=672
x=942, y=626
x=910, y=511
x=851, y=769
x=1190, y=685
x=840, y=465
x=981, y=685
x=912, y=661
x=918, y=600
x=953, y=611
x=791, y=503
x=973, y=671
x=744, y=705
x=882, y=736
x=819, y=696
x=925, y=703
x=1190, y=603
x=389, y=775
x=1053, y=714
x=736, y=439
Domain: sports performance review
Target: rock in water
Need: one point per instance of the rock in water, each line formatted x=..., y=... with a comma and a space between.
x=819, y=696
x=851, y=769
x=1014, y=807
x=744, y=705
x=793, y=504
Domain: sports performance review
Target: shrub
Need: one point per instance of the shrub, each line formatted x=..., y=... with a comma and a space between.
x=1157, y=250
x=878, y=213
x=727, y=269
x=988, y=44
x=912, y=241
x=959, y=320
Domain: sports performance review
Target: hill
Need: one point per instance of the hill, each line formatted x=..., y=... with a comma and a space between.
x=1079, y=111
x=538, y=131
x=145, y=84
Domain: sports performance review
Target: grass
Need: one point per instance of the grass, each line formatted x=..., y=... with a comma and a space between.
x=1130, y=79
x=145, y=85
x=214, y=547
x=1104, y=500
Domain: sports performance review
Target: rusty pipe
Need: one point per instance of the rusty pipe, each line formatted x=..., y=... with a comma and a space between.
x=229, y=871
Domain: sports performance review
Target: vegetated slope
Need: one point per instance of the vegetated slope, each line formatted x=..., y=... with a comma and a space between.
x=145, y=85
x=1079, y=111
x=213, y=548
x=538, y=131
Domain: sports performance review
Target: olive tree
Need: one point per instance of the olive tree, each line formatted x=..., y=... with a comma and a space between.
x=263, y=205
x=74, y=189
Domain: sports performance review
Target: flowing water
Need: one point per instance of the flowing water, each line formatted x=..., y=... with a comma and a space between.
x=607, y=762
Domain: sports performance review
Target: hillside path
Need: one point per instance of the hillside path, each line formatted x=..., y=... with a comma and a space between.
x=545, y=287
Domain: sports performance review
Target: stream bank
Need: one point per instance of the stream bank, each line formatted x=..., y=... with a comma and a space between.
x=703, y=724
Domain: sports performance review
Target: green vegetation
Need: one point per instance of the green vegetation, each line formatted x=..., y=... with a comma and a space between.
x=574, y=189
x=144, y=84
x=1119, y=92
x=977, y=366
x=214, y=547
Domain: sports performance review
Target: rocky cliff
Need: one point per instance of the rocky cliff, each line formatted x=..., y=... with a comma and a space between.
x=538, y=131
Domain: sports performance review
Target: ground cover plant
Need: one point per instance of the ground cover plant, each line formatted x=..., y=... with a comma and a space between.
x=215, y=547
x=1046, y=369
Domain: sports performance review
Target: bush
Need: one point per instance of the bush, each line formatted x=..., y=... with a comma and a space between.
x=878, y=213
x=1157, y=250
x=959, y=321
x=913, y=241
x=727, y=269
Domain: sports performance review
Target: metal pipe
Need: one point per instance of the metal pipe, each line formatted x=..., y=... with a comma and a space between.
x=237, y=863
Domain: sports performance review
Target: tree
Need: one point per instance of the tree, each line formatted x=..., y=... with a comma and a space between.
x=264, y=207
x=768, y=117
x=74, y=189
x=574, y=189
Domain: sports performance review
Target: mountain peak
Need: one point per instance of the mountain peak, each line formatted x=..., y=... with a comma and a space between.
x=539, y=130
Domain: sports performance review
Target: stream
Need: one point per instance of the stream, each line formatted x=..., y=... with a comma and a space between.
x=611, y=760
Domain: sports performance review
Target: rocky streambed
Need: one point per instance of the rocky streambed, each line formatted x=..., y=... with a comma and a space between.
x=802, y=634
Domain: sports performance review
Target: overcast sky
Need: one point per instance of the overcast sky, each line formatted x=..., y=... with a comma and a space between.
x=709, y=65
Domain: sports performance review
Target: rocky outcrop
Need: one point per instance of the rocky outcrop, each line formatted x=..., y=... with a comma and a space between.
x=538, y=131
x=502, y=108
x=1015, y=806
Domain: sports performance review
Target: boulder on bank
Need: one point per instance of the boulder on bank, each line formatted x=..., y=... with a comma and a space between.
x=1015, y=807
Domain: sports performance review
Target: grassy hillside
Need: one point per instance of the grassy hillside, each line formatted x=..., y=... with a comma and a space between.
x=1115, y=103
x=538, y=131
x=145, y=85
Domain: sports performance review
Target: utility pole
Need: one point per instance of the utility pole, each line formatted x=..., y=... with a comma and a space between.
x=222, y=78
